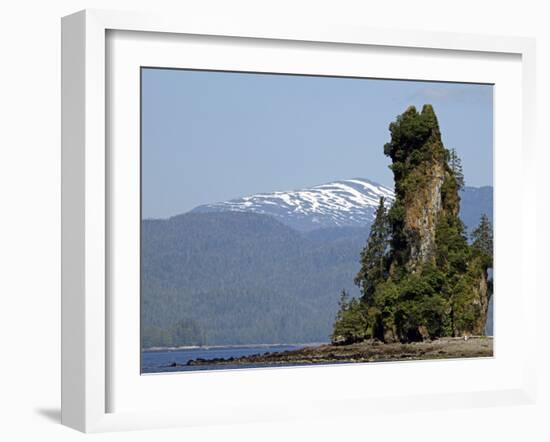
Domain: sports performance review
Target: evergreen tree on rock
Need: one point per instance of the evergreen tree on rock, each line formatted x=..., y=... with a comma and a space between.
x=373, y=256
x=419, y=277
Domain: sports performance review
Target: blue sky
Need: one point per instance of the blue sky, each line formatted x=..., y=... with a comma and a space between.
x=213, y=136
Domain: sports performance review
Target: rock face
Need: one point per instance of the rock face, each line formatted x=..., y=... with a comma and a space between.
x=481, y=301
x=422, y=212
x=428, y=281
x=421, y=172
x=429, y=237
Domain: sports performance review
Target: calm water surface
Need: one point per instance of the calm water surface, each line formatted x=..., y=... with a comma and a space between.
x=162, y=361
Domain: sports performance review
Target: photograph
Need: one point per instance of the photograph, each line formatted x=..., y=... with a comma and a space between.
x=275, y=221
x=298, y=220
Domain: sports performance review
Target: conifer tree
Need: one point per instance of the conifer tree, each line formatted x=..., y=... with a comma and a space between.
x=373, y=265
x=455, y=163
x=482, y=240
x=350, y=325
x=343, y=304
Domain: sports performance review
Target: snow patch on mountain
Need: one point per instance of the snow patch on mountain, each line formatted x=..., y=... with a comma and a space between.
x=345, y=203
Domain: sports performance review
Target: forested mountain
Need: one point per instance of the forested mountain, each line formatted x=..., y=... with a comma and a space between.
x=238, y=277
x=475, y=201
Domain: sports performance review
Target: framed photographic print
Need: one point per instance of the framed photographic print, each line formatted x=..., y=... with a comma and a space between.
x=251, y=212
x=267, y=239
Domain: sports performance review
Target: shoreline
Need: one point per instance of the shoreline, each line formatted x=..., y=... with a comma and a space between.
x=368, y=351
x=218, y=347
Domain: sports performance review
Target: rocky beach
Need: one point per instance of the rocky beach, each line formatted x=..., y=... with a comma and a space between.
x=367, y=351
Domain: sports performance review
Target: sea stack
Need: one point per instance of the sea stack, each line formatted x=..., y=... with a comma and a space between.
x=420, y=277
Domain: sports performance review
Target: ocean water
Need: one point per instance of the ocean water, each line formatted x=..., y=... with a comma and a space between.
x=162, y=361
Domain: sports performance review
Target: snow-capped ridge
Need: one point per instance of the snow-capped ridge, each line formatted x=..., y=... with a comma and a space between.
x=340, y=203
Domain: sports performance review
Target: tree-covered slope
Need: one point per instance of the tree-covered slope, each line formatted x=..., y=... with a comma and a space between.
x=231, y=277
x=240, y=278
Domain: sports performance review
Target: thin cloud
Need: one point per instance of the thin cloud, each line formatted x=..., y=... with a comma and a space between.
x=466, y=93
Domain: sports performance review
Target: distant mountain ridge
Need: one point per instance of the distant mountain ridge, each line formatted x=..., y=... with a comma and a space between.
x=344, y=203
x=267, y=268
x=474, y=201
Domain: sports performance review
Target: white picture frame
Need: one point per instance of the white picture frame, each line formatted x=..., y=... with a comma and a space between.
x=87, y=353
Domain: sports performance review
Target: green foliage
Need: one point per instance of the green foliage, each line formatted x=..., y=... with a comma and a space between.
x=420, y=306
x=409, y=132
x=452, y=250
x=351, y=322
x=383, y=309
x=413, y=136
x=399, y=251
x=455, y=164
x=482, y=241
x=464, y=308
x=373, y=257
x=242, y=278
x=439, y=296
x=449, y=195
